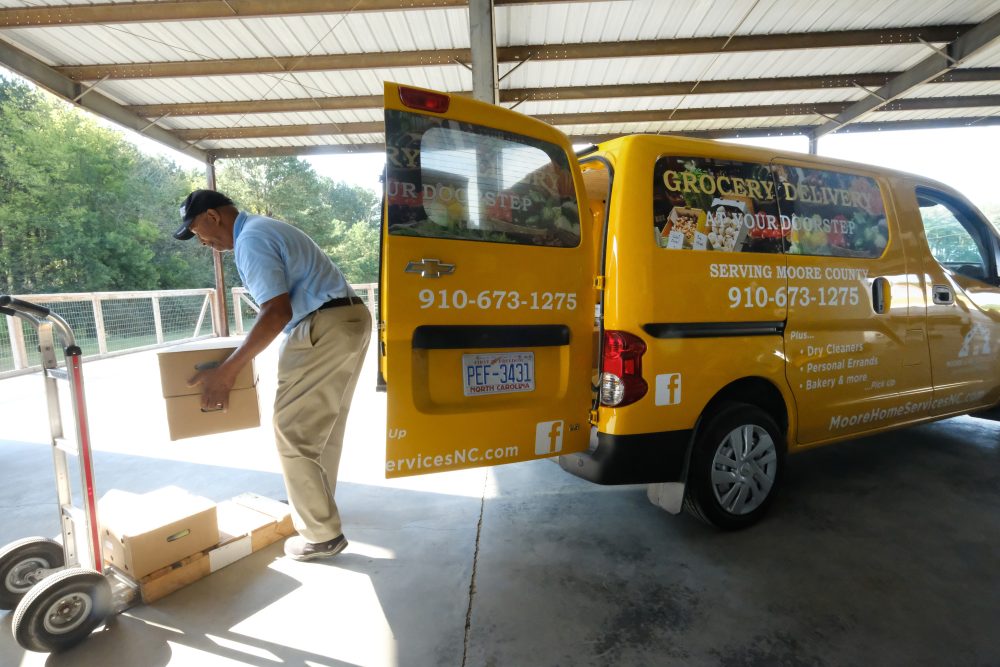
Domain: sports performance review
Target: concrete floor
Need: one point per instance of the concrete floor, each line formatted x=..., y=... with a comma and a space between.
x=881, y=551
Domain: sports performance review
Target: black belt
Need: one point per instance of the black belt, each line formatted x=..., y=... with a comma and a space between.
x=342, y=301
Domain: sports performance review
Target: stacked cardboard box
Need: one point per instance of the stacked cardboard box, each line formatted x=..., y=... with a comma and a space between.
x=184, y=415
x=145, y=542
x=141, y=533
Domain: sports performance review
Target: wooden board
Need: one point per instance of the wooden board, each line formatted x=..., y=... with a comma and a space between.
x=247, y=524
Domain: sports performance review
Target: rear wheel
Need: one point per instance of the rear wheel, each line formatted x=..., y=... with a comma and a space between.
x=23, y=564
x=62, y=610
x=735, y=468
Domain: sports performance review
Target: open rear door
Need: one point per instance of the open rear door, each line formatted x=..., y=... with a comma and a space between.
x=486, y=287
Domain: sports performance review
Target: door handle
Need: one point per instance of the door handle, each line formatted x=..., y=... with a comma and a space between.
x=879, y=292
x=942, y=295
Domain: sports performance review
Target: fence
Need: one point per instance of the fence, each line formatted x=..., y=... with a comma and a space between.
x=111, y=323
x=245, y=310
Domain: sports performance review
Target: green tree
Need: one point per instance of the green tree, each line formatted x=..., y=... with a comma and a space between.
x=341, y=219
x=992, y=212
x=80, y=208
x=357, y=252
x=164, y=186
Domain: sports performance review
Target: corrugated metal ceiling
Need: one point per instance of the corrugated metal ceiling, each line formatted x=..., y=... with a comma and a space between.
x=650, y=44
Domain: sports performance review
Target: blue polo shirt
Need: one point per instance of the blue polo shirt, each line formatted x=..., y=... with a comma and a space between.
x=274, y=258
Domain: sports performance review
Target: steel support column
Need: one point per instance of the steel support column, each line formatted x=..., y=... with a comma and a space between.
x=482, y=37
x=221, y=318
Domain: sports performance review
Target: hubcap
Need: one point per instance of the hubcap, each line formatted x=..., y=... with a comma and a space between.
x=744, y=469
x=25, y=574
x=67, y=613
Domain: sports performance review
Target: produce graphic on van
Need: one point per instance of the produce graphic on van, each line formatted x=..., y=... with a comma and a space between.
x=763, y=208
x=831, y=213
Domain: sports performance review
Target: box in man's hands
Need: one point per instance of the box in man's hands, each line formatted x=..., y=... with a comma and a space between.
x=184, y=416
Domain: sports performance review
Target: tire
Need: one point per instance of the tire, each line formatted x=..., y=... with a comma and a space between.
x=62, y=610
x=736, y=466
x=19, y=564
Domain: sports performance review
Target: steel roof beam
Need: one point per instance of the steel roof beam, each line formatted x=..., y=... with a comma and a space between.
x=652, y=116
x=284, y=151
x=599, y=50
x=805, y=130
x=564, y=93
x=90, y=99
x=927, y=69
x=260, y=106
x=205, y=10
x=730, y=133
x=271, y=131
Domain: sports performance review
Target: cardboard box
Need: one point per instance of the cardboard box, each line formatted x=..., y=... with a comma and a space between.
x=186, y=420
x=183, y=403
x=141, y=533
x=247, y=524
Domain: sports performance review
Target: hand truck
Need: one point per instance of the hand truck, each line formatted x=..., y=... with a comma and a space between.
x=61, y=592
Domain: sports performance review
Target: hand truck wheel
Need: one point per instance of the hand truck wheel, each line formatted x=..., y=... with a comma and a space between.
x=62, y=610
x=23, y=564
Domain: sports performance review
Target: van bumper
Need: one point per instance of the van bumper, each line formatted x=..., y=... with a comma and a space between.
x=632, y=459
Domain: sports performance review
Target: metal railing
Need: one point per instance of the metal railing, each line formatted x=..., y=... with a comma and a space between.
x=110, y=323
x=107, y=324
x=245, y=308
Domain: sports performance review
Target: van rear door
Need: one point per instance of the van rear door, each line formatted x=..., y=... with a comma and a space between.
x=486, y=287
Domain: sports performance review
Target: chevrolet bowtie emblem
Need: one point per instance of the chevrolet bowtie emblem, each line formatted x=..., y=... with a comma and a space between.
x=430, y=268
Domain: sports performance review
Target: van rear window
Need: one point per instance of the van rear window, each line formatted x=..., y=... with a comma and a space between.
x=454, y=180
x=725, y=205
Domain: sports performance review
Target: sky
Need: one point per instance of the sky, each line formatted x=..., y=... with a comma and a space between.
x=959, y=157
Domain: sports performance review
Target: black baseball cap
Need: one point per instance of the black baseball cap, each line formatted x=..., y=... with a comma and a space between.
x=197, y=203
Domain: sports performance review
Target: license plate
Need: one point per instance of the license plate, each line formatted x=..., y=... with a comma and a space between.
x=498, y=373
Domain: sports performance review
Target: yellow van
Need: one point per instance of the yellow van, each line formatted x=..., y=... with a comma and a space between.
x=662, y=310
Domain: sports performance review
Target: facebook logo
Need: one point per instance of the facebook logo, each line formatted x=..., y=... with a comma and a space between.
x=548, y=437
x=668, y=389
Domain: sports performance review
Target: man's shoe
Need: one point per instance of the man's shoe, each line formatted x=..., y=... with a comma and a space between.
x=297, y=548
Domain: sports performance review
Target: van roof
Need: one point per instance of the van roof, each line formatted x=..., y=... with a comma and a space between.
x=709, y=147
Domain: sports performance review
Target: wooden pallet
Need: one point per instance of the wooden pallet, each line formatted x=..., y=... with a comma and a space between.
x=247, y=523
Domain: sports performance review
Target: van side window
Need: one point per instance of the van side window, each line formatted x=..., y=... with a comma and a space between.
x=830, y=213
x=455, y=180
x=721, y=205
x=955, y=239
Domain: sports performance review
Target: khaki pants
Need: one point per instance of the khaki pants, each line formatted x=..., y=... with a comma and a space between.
x=318, y=367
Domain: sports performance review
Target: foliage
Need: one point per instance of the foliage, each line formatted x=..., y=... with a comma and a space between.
x=993, y=214
x=341, y=219
x=357, y=252
x=81, y=209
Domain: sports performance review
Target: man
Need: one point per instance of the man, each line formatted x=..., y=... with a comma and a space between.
x=301, y=292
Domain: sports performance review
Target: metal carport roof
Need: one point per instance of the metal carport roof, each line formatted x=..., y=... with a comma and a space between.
x=227, y=78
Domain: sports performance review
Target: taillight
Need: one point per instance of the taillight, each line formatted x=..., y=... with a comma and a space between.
x=424, y=100
x=621, y=372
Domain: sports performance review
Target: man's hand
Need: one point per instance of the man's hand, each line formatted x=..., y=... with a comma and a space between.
x=216, y=384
